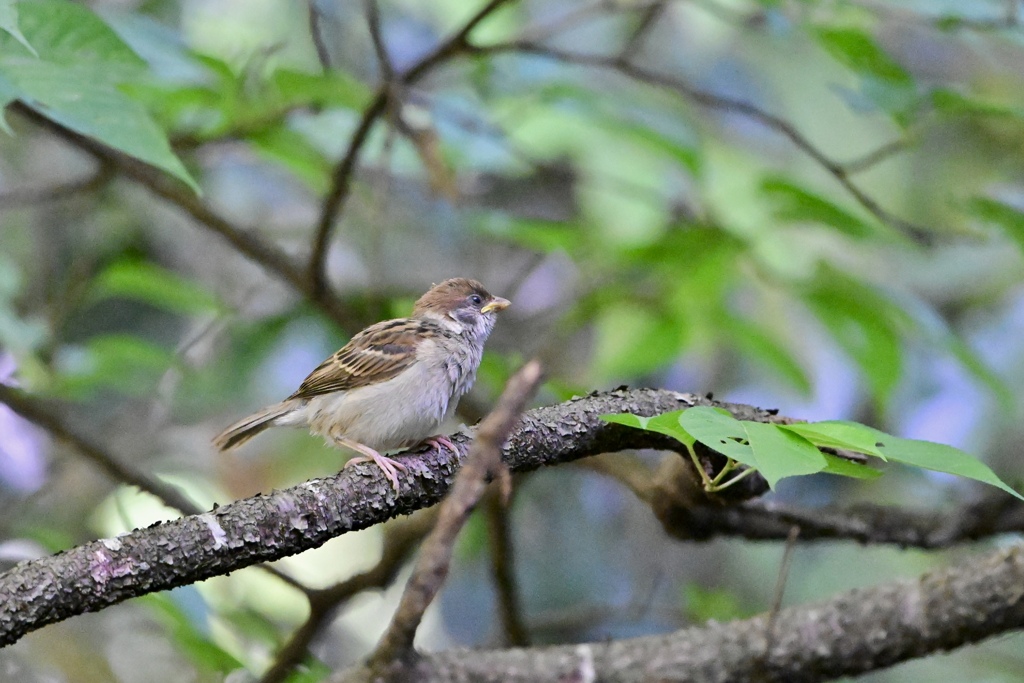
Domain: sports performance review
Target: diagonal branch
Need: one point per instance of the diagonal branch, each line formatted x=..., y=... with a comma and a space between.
x=247, y=242
x=483, y=462
x=30, y=409
x=264, y=528
x=400, y=538
x=169, y=495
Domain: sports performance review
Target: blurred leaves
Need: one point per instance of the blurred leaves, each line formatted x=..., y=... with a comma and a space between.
x=792, y=203
x=122, y=362
x=154, y=285
x=1009, y=219
x=193, y=642
x=73, y=75
x=673, y=239
x=884, y=82
x=720, y=604
x=867, y=325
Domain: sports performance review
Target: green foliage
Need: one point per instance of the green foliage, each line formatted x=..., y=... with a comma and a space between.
x=192, y=641
x=154, y=285
x=9, y=23
x=865, y=324
x=719, y=604
x=1008, y=218
x=122, y=362
x=778, y=451
x=884, y=82
x=74, y=76
x=793, y=203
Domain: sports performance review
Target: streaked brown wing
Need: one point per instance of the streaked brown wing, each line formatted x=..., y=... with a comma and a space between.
x=376, y=354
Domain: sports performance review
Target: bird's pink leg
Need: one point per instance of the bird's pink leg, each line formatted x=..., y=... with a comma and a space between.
x=387, y=465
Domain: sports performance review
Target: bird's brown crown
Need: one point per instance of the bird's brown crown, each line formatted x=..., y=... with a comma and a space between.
x=448, y=295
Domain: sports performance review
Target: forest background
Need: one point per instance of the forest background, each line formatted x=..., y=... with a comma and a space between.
x=809, y=206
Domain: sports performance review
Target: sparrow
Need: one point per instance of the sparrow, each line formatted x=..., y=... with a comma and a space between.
x=393, y=384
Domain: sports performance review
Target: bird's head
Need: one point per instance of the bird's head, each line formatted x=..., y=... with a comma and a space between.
x=462, y=305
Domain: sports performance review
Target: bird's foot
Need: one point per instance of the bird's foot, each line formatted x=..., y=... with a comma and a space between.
x=441, y=441
x=389, y=466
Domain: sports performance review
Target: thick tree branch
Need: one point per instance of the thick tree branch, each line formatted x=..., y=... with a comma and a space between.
x=993, y=513
x=171, y=496
x=268, y=527
x=859, y=631
x=265, y=528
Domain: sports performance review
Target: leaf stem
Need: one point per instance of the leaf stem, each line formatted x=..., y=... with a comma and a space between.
x=708, y=483
x=745, y=473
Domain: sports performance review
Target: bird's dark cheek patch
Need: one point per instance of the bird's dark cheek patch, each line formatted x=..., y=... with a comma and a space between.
x=465, y=316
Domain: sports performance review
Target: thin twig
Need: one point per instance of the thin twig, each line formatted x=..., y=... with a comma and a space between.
x=648, y=18
x=482, y=462
x=247, y=242
x=387, y=71
x=721, y=103
x=341, y=178
x=31, y=409
x=875, y=157
x=316, y=34
x=503, y=571
x=780, y=588
x=28, y=196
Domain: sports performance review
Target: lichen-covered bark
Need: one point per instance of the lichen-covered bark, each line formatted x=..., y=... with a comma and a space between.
x=268, y=527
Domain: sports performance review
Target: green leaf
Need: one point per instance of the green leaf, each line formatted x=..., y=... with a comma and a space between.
x=146, y=282
x=536, y=234
x=125, y=363
x=756, y=343
x=942, y=458
x=296, y=153
x=952, y=103
x=666, y=423
x=633, y=340
x=779, y=453
x=333, y=88
x=77, y=77
x=865, y=324
x=9, y=23
x=849, y=436
x=883, y=81
x=858, y=51
x=1008, y=218
x=846, y=468
x=794, y=203
x=191, y=641
x=719, y=431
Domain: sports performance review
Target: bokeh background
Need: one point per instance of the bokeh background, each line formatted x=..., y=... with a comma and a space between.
x=647, y=235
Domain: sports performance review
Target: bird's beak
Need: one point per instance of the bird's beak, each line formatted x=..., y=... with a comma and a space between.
x=496, y=304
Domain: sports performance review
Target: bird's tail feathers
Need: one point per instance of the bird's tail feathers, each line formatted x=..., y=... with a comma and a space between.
x=250, y=426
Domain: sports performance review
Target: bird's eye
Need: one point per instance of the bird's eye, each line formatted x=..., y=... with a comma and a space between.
x=476, y=300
